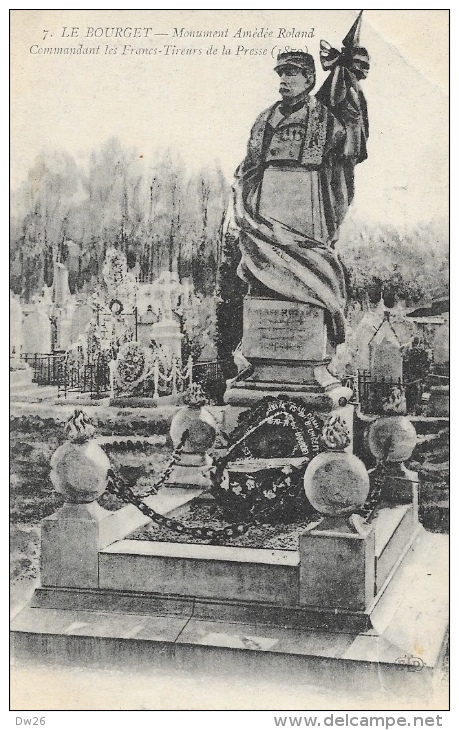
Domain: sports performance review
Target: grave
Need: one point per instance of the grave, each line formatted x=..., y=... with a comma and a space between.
x=16, y=334
x=108, y=599
x=386, y=359
x=166, y=332
x=37, y=329
x=355, y=601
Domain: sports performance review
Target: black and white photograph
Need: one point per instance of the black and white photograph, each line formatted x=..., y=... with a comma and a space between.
x=229, y=362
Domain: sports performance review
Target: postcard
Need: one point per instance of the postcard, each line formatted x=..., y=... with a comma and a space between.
x=229, y=361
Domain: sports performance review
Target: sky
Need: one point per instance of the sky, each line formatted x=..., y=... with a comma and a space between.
x=202, y=106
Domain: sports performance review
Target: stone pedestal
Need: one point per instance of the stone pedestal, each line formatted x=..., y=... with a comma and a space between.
x=72, y=537
x=337, y=568
x=70, y=541
x=191, y=472
x=288, y=332
x=166, y=334
x=197, y=425
x=286, y=345
x=346, y=569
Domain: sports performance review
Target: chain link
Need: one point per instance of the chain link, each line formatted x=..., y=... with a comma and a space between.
x=117, y=487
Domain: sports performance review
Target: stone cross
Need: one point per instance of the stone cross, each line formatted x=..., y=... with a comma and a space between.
x=168, y=292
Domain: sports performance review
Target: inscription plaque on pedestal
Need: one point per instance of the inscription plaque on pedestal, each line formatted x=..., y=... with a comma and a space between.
x=282, y=330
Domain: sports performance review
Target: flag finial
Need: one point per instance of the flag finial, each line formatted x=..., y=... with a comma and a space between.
x=352, y=39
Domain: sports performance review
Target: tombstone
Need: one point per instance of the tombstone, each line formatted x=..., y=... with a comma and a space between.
x=166, y=335
x=47, y=296
x=81, y=316
x=120, y=285
x=440, y=343
x=386, y=360
x=16, y=335
x=146, y=300
x=144, y=325
x=61, y=291
x=65, y=317
x=359, y=339
x=36, y=330
x=167, y=292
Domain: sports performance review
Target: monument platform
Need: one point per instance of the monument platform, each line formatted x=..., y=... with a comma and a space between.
x=344, y=603
x=402, y=647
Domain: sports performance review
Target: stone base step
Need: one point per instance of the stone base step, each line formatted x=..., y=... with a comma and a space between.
x=224, y=572
x=429, y=424
x=83, y=638
x=405, y=647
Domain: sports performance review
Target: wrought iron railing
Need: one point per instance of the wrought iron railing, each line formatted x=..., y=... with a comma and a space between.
x=211, y=377
x=91, y=378
x=47, y=367
x=371, y=392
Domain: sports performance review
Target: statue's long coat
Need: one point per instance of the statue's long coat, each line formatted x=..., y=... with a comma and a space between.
x=297, y=261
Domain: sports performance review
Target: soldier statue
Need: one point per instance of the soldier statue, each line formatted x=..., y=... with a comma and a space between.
x=294, y=187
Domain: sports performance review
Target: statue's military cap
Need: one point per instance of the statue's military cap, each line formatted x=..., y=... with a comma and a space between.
x=300, y=59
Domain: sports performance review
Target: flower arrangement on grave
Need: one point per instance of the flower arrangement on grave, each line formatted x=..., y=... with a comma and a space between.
x=336, y=483
x=133, y=365
x=261, y=476
x=79, y=466
x=251, y=490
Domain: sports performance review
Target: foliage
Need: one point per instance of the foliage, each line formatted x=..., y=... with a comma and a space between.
x=383, y=261
x=230, y=295
x=199, y=329
x=162, y=217
x=189, y=347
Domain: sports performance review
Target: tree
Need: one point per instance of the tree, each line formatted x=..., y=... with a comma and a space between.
x=385, y=262
x=230, y=295
x=39, y=225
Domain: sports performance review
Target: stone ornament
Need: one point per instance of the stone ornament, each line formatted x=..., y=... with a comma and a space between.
x=197, y=420
x=336, y=483
x=392, y=437
x=79, y=467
